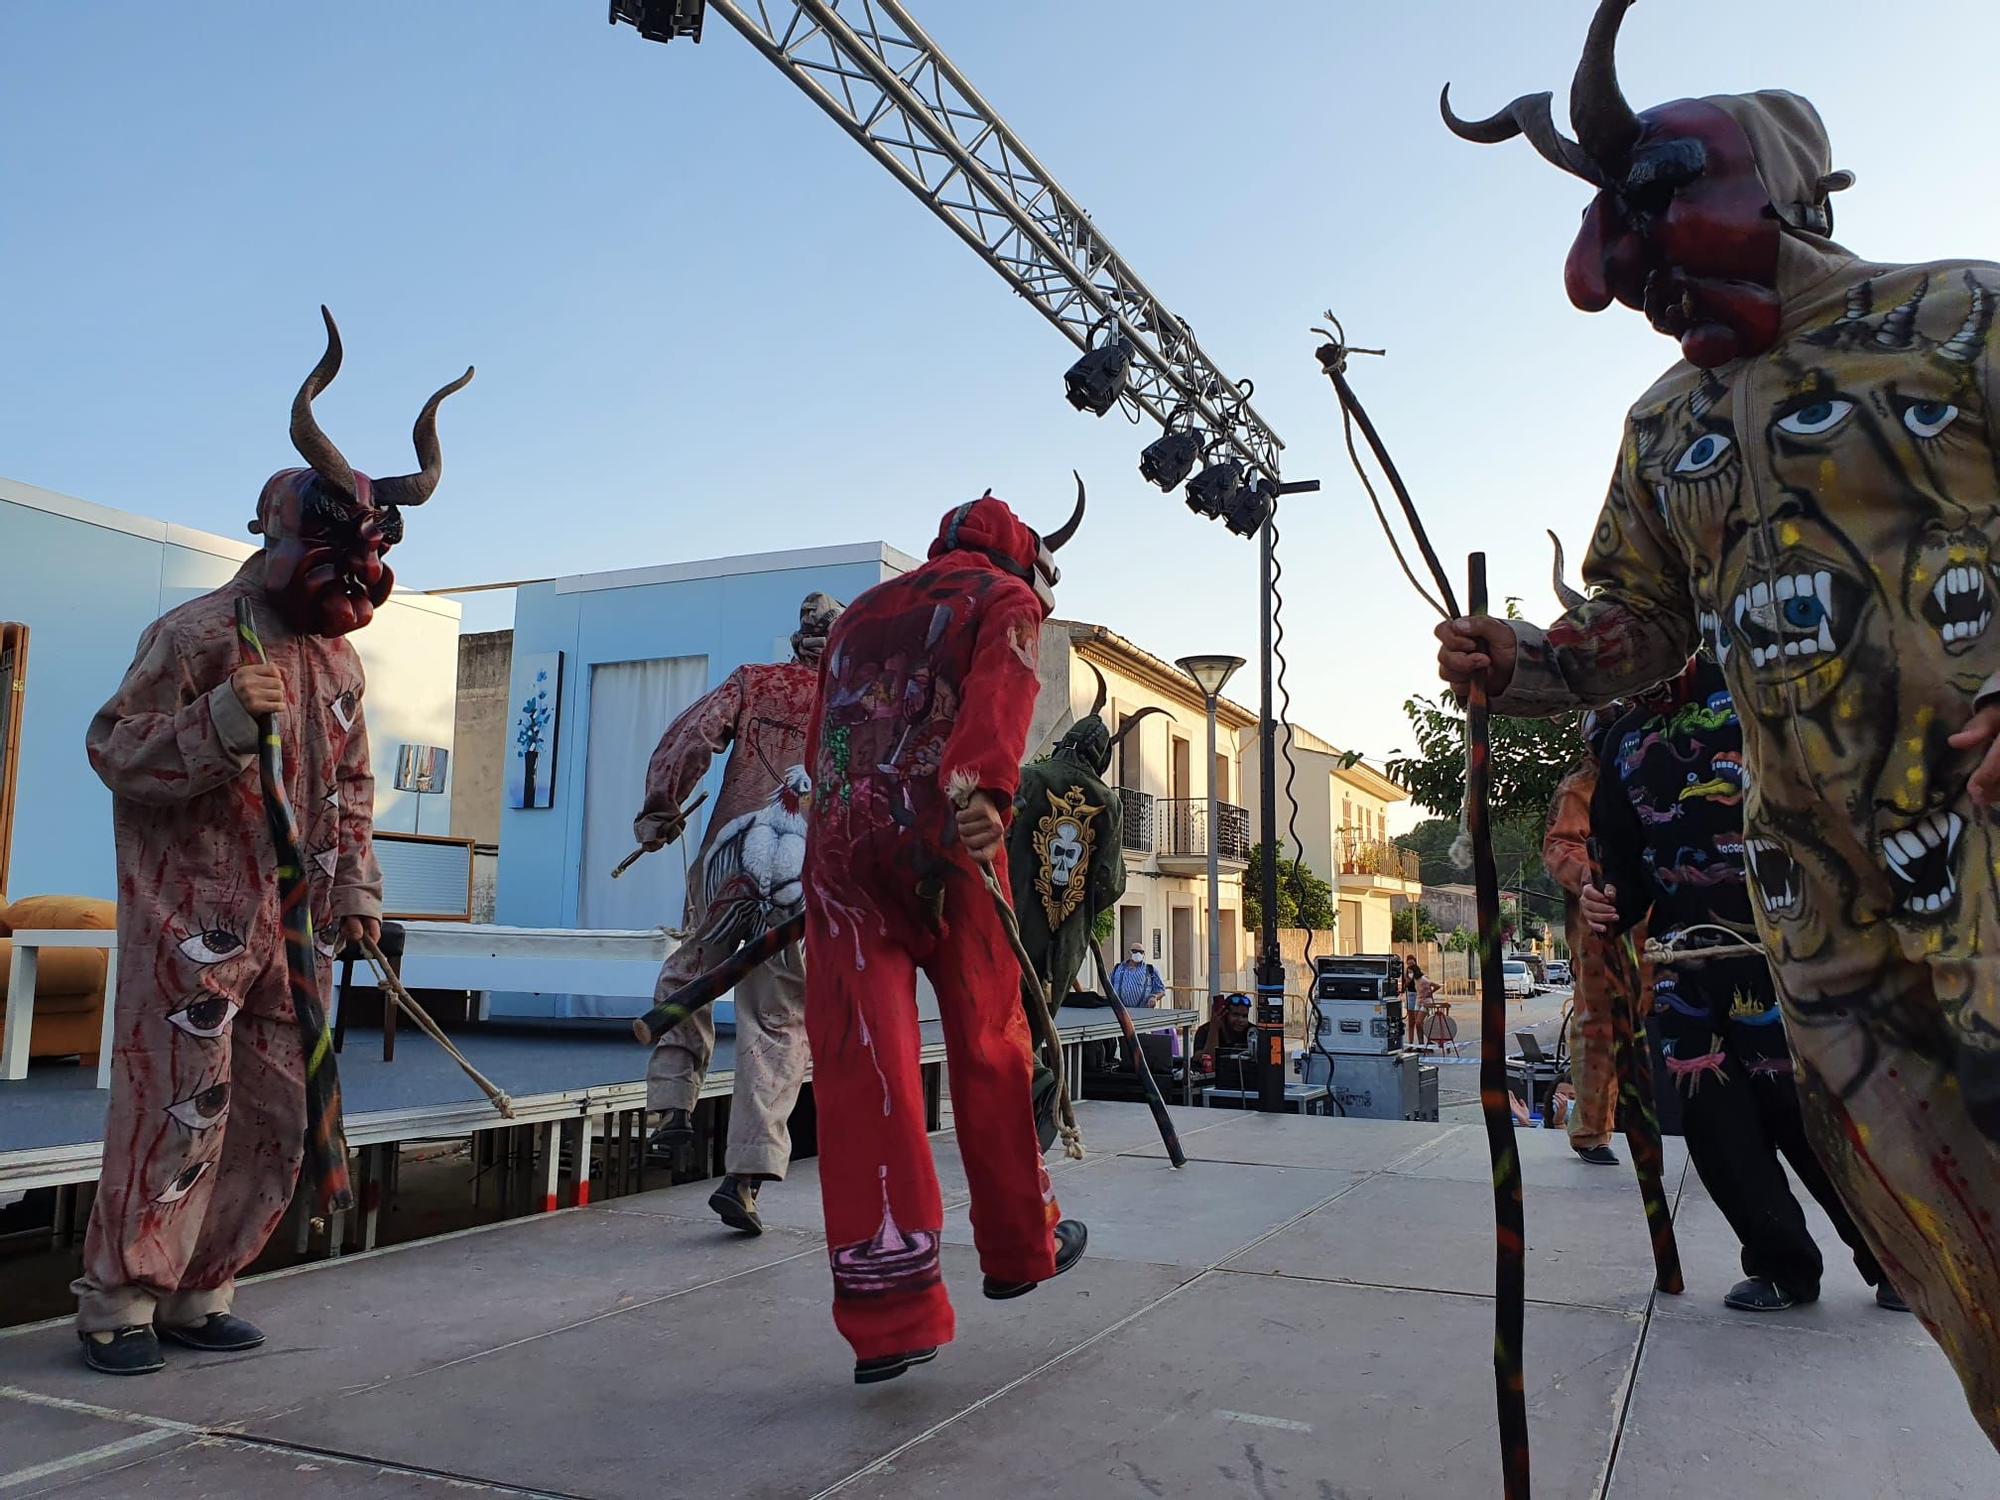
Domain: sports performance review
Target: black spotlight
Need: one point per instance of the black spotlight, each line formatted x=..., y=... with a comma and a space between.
x=1246, y=510
x=1170, y=458
x=1096, y=381
x=1211, y=491
x=661, y=20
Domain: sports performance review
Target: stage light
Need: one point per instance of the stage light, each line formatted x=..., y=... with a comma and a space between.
x=1211, y=491
x=661, y=20
x=1170, y=458
x=1096, y=381
x=1246, y=510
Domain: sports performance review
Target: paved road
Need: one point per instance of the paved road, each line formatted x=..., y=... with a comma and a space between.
x=1458, y=1076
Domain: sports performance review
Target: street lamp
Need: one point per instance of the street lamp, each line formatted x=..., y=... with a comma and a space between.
x=1210, y=673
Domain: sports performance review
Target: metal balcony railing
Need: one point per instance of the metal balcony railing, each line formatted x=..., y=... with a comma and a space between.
x=1184, y=829
x=1359, y=856
x=1136, y=833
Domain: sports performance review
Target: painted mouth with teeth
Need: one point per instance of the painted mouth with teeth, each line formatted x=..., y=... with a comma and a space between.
x=1960, y=606
x=1919, y=858
x=1712, y=631
x=1777, y=876
x=1800, y=618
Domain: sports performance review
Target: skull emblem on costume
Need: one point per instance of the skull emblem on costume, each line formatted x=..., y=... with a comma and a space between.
x=1065, y=851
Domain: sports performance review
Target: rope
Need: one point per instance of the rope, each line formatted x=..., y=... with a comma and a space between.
x=1671, y=951
x=406, y=1002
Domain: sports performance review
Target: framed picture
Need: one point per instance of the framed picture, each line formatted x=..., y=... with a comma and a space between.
x=535, y=731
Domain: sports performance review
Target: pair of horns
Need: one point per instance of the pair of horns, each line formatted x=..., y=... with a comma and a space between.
x=1606, y=126
x=1571, y=598
x=1104, y=696
x=317, y=449
x=1056, y=539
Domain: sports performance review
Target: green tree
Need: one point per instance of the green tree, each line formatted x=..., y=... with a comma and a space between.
x=1530, y=757
x=1304, y=900
x=1412, y=924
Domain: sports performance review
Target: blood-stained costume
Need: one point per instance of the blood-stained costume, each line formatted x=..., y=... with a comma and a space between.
x=746, y=879
x=927, y=690
x=1814, y=486
x=1599, y=975
x=207, y=1116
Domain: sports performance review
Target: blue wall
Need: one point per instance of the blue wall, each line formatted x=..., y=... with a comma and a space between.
x=732, y=619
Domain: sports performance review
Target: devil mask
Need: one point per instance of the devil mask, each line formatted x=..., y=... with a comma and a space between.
x=1693, y=198
x=989, y=527
x=817, y=612
x=1089, y=741
x=327, y=528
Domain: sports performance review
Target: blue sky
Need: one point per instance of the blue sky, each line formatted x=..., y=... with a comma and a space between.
x=706, y=323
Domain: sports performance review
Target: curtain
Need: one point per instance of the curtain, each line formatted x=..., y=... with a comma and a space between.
x=631, y=704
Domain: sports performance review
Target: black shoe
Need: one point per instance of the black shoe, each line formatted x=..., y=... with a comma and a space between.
x=1887, y=1296
x=1071, y=1236
x=1756, y=1294
x=128, y=1351
x=735, y=1202
x=1598, y=1156
x=675, y=1130
x=218, y=1333
x=889, y=1366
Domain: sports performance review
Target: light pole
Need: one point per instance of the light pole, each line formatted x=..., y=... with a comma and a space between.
x=1211, y=674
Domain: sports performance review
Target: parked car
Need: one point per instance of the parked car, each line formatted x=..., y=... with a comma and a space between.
x=1558, y=972
x=1516, y=979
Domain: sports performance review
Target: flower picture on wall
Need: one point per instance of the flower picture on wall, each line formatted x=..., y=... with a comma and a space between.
x=537, y=723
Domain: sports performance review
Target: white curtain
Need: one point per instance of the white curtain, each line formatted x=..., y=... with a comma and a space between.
x=631, y=704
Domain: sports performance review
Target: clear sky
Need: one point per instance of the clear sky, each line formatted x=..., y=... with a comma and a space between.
x=706, y=323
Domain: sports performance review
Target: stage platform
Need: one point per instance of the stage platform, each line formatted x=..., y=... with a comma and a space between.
x=1302, y=1312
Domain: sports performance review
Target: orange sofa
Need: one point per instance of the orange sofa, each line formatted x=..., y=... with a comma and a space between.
x=69, y=982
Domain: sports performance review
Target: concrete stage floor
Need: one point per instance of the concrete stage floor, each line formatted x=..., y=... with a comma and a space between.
x=1302, y=1312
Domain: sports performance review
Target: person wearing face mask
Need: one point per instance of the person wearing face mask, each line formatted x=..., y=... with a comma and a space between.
x=1812, y=486
x=207, y=1120
x=1135, y=982
x=758, y=716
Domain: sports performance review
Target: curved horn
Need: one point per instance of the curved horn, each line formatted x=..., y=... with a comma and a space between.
x=1571, y=598
x=415, y=489
x=1103, y=690
x=1056, y=539
x=314, y=446
x=1133, y=723
x=1964, y=346
x=1604, y=123
x=1530, y=116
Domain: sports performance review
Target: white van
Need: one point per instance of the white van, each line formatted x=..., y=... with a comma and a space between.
x=1516, y=979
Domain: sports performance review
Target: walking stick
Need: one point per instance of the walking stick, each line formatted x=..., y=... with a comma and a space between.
x=1169, y=1137
x=326, y=1140
x=704, y=989
x=639, y=853
x=393, y=987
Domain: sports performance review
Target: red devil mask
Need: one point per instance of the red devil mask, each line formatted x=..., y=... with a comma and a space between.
x=1693, y=198
x=327, y=528
x=989, y=527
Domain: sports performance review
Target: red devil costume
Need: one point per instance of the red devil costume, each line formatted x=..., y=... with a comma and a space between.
x=1813, y=487
x=926, y=692
x=747, y=880
x=208, y=1108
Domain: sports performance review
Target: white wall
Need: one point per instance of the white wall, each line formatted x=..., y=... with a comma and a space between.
x=87, y=580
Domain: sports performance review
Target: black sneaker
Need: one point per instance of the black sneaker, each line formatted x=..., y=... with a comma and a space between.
x=889, y=1366
x=1071, y=1236
x=1597, y=1156
x=1756, y=1294
x=675, y=1130
x=128, y=1351
x=735, y=1203
x=218, y=1333
x=1887, y=1296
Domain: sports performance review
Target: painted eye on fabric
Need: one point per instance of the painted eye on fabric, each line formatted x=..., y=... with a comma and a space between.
x=211, y=946
x=1817, y=417
x=1703, y=454
x=203, y=1111
x=206, y=1018
x=1803, y=612
x=184, y=1183
x=1928, y=418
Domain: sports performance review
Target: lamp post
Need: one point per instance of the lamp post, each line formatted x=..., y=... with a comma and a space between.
x=1210, y=674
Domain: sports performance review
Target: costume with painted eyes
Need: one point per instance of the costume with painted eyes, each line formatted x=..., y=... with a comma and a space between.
x=206, y=1122
x=1815, y=489
x=757, y=715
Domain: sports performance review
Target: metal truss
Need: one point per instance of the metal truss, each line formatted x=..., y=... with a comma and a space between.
x=870, y=66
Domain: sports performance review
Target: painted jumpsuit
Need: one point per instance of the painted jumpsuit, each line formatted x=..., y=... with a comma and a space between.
x=758, y=714
x=929, y=684
x=206, y=1126
x=1601, y=977
x=1827, y=513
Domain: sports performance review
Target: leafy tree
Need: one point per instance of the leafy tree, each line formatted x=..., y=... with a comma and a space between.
x=1304, y=900
x=1530, y=757
x=1413, y=924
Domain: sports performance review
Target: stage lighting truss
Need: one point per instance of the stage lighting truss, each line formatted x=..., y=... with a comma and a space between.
x=1096, y=381
x=1171, y=457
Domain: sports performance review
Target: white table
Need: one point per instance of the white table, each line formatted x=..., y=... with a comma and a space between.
x=20, y=1019
x=483, y=956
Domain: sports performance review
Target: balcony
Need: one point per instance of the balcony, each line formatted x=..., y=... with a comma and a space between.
x=1184, y=836
x=1136, y=831
x=1375, y=864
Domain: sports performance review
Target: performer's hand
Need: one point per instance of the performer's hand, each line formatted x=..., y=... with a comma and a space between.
x=354, y=929
x=1599, y=905
x=1480, y=649
x=1982, y=732
x=258, y=688
x=979, y=825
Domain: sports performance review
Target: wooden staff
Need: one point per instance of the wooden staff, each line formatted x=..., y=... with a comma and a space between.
x=634, y=857
x=407, y=1003
x=706, y=988
x=1169, y=1137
